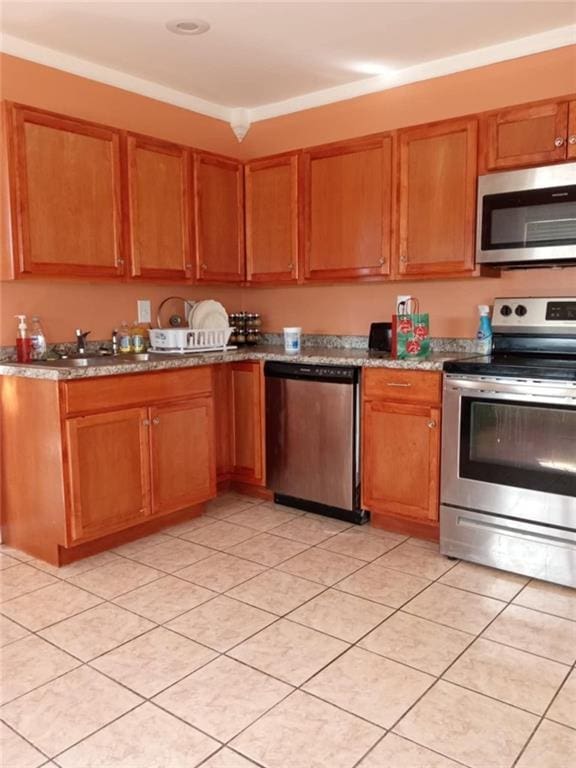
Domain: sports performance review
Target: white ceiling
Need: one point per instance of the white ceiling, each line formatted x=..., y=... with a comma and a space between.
x=277, y=57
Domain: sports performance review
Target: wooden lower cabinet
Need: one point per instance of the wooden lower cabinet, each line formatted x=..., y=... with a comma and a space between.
x=182, y=452
x=239, y=420
x=401, y=455
x=109, y=472
x=110, y=459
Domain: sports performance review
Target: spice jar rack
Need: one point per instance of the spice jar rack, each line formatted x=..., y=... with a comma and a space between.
x=245, y=328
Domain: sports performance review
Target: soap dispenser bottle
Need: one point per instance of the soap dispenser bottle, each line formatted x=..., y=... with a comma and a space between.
x=23, y=341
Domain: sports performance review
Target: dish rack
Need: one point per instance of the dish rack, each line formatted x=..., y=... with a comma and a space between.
x=188, y=340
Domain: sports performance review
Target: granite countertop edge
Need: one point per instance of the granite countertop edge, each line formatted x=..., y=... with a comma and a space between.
x=311, y=356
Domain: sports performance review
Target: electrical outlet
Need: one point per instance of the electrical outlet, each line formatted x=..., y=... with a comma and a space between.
x=144, y=311
x=400, y=300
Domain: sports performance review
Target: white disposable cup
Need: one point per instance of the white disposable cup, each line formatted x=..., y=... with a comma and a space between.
x=292, y=340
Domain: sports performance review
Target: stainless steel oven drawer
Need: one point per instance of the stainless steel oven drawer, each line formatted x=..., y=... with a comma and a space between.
x=540, y=551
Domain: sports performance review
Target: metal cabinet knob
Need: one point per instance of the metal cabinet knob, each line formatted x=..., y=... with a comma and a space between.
x=120, y=262
x=572, y=139
x=188, y=266
x=559, y=141
x=146, y=422
x=403, y=259
x=203, y=266
x=155, y=420
x=290, y=267
x=431, y=424
x=381, y=262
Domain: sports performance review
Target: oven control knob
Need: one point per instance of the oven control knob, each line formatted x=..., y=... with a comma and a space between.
x=506, y=310
x=521, y=310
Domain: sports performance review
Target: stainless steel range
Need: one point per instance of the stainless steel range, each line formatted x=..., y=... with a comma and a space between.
x=508, y=494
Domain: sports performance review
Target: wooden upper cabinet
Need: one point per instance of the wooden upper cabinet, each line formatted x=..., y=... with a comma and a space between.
x=572, y=130
x=347, y=190
x=524, y=136
x=65, y=178
x=182, y=450
x=272, y=219
x=437, y=199
x=219, y=206
x=109, y=472
x=160, y=209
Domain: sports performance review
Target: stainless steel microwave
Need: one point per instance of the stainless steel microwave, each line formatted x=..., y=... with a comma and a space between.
x=527, y=218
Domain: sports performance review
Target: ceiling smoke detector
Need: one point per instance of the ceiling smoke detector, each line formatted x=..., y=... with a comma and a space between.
x=188, y=26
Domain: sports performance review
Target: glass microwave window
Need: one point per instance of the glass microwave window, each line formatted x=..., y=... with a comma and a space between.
x=527, y=446
x=552, y=224
x=530, y=219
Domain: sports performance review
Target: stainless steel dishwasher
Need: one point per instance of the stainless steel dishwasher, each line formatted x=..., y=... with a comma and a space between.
x=312, y=438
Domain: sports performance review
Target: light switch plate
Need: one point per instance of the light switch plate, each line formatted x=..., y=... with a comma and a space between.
x=144, y=311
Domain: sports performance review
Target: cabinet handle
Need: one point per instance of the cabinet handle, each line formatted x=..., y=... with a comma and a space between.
x=398, y=384
x=146, y=422
x=155, y=420
x=188, y=266
x=120, y=262
x=403, y=259
x=559, y=141
x=290, y=267
x=381, y=262
x=431, y=424
x=572, y=139
x=203, y=267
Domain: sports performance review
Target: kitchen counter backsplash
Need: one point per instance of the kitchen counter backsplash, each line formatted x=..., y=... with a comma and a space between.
x=325, y=341
x=439, y=344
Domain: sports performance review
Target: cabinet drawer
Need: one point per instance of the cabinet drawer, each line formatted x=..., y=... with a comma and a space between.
x=111, y=392
x=405, y=386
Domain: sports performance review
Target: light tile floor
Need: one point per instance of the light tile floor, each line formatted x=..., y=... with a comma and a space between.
x=258, y=635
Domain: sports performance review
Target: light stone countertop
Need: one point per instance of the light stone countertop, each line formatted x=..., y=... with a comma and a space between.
x=310, y=355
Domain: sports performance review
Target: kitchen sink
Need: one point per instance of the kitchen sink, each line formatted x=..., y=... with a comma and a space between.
x=74, y=362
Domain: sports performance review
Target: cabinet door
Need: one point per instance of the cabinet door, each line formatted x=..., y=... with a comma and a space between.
x=272, y=219
x=525, y=136
x=248, y=455
x=65, y=176
x=437, y=199
x=347, y=209
x=572, y=131
x=160, y=206
x=182, y=451
x=222, y=382
x=108, y=472
x=401, y=459
x=219, y=203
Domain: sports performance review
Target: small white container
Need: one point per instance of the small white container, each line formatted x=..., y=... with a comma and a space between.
x=292, y=338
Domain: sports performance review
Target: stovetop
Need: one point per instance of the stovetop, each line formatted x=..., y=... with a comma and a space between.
x=516, y=366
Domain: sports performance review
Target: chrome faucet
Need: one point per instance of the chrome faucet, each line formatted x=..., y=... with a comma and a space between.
x=81, y=341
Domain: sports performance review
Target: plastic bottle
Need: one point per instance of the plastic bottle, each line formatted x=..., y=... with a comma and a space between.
x=124, y=339
x=138, y=338
x=484, y=335
x=23, y=341
x=38, y=339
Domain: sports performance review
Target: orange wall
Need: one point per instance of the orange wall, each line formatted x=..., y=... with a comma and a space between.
x=349, y=309
x=337, y=309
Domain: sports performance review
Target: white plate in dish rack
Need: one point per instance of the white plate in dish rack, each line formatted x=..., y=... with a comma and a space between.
x=208, y=314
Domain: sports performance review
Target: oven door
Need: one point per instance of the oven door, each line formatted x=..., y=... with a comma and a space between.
x=509, y=448
x=527, y=216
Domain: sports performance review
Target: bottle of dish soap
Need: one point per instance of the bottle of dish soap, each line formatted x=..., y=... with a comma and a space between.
x=23, y=341
x=484, y=335
x=38, y=339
